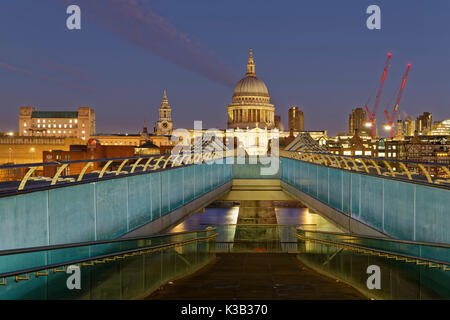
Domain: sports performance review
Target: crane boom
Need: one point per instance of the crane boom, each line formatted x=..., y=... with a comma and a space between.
x=397, y=102
x=372, y=115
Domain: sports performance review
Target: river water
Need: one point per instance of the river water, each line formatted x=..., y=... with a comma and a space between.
x=260, y=212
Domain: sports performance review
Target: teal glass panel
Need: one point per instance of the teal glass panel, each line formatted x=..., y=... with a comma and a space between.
x=189, y=183
x=165, y=202
x=372, y=201
x=155, y=195
x=72, y=214
x=175, y=188
x=139, y=201
x=322, y=184
x=111, y=208
x=399, y=209
x=297, y=173
x=335, y=185
x=346, y=191
x=23, y=220
x=312, y=187
x=199, y=180
x=432, y=214
x=355, y=195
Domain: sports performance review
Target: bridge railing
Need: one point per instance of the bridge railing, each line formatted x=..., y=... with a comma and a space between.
x=18, y=177
x=427, y=172
x=404, y=269
x=113, y=269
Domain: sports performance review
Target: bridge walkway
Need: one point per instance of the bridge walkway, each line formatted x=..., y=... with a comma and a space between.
x=270, y=276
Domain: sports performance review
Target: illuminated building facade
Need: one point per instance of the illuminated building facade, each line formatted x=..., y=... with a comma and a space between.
x=251, y=106
x=72, y=124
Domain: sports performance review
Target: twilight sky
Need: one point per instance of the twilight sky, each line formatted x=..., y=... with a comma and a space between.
x=315, y=54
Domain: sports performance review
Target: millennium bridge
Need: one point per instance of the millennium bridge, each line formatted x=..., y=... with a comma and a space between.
x=114, y=221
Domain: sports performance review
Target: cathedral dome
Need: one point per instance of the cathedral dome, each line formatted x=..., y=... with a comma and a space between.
x=251, y=107
x=251, y=86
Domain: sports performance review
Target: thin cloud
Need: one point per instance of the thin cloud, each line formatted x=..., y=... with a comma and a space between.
x=137, y=24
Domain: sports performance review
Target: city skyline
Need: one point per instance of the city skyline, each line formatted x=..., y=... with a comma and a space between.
x=303, y=54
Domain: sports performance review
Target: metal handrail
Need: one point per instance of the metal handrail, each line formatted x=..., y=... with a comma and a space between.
x=97, y=242
x=418, y=243
x=212, y=155
x=116, y=255
x=368, y=158
x=379, y=252
x=308, y=156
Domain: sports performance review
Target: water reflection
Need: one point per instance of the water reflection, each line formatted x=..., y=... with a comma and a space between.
x=260, y=212
x=213, y=215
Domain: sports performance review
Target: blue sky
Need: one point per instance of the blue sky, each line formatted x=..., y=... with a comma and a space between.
x=317, y=55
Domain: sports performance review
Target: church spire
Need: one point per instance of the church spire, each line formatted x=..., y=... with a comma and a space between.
x=164, y=100
x=251, y=66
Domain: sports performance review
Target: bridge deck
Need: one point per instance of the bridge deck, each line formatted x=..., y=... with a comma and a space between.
x=256, y=276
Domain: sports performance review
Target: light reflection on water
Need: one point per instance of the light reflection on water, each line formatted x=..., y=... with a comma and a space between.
x=211, y=216
x=305, y=218
x=285, y=214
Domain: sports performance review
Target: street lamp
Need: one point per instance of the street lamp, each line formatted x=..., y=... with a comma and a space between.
x=32, y=150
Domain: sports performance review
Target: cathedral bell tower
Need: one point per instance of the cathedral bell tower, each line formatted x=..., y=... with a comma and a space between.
x=164, y=124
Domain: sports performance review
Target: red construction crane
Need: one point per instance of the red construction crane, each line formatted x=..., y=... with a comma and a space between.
x=391, y=119
x=372, y=115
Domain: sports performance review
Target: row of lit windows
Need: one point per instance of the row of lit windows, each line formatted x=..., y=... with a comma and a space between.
x=382, y=147
x=50, y=125
x=54, y=126
x=59, y=131
x=59, y=121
